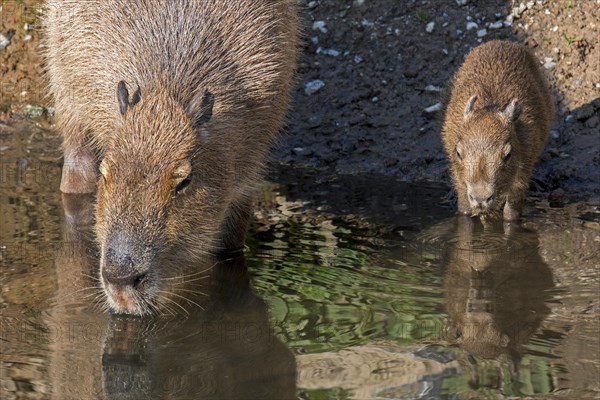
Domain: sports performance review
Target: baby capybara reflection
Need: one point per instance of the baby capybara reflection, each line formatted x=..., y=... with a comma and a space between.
x=179, y=100
x=496, y=124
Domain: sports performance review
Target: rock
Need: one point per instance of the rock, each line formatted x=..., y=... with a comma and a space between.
x=313, y=86
x=481, y=33
x=584, y=112
x=472, y=25
x=554, y=134
x=430, y=111
x=329, y=52
x=432, y=88
x=461, y=2
x=301, y=151
x=557, y=198
x=320, y=26
x=592, y=122
x=312, y=4
x=569, y=118
x=496, y=25
x=33, y=111
x=549, y=63
x=4, y=41
x=429, y=27
x=358, y=59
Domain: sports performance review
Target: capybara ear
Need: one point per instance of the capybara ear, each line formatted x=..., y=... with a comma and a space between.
x=200, y=108
x=469, y=106
x=123, y=97
x=512, y=110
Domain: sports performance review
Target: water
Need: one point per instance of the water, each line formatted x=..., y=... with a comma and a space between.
x=354, y=287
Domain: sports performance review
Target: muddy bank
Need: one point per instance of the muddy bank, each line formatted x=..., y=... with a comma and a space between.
x=370, y=68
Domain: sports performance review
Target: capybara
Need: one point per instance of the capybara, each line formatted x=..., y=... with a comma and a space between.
x=497, y=120
x=175, y=103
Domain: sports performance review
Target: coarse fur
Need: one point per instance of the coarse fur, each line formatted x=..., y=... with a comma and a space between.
x=497, y=119
x=180, y=101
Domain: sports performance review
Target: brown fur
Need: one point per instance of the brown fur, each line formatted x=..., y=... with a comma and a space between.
x=501, y=136
x=156, y=131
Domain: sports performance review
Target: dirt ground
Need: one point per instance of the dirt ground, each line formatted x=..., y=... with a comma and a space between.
x=380, y=63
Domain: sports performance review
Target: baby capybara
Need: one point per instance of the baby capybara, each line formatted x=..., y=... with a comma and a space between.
x=180, y=101
x=496, y=124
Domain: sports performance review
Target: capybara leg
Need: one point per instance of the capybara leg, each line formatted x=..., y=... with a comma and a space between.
x=235, y=226
x=79, y=170
x=512, y=210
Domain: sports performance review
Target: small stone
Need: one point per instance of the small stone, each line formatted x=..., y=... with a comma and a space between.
x=569, y=118
x=312, y=4
x=27, y=38
x=481, y=33
x=461, y=2
x=445, y=51
x=557, y=198
x=4, y=41
x=459, y=32
x=358, y=59
x=313, y=86
x=301, y=151
x=328, y=52
x=359, y=2
x=430, y=111
x=432, y=88
x=496, y=25
x=32, y=111
x=314, y=40
x=319, y=25
x=592, y=122
x=375, y=99
x=429, y=27
x=471, y=25
x=554, y=134
x=549, y=63
x=469, y=18
x=367, y=23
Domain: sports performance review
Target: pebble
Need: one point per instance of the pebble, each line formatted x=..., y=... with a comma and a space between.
x=358, y=59
x=367, y=23
x=319, y=25
x=569, y=118
x=496, y=25
x=313, y=87
x=481, y=33
x=554, y=134
x=471, y=25
x=445, y=51
x=549, y=63
x=375, y=99
x=433, y=88
x=314, y=40
x=461, y=2
x=429, y=27
x=312, y=4
x=432, y=109
x=329, y=52
x=4, y=41
x=33, y=111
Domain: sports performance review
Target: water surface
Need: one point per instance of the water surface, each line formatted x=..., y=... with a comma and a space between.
x=352, y=287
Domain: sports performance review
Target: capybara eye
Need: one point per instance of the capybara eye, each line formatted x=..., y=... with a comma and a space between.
x=506, y=157
x=183, y=184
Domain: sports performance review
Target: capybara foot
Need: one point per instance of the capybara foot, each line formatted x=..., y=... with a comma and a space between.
x=79, y=172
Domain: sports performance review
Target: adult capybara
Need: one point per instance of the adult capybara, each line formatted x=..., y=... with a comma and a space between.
x=497, y=120
x=180, y=100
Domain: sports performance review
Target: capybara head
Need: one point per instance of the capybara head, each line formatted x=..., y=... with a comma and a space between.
x=486, y=154
x=161, y=197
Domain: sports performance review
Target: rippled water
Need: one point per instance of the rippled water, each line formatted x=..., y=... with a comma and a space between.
x=353, y=287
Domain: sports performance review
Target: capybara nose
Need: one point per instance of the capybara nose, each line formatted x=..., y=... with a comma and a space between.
x=480, y=199
x=132, y=280
x=121, y=270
